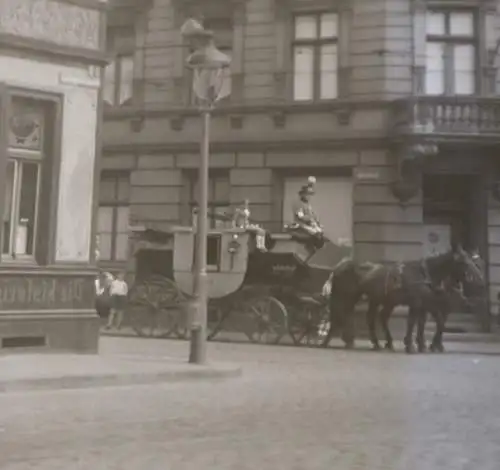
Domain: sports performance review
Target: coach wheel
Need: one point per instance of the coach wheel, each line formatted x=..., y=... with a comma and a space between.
x=269, y=320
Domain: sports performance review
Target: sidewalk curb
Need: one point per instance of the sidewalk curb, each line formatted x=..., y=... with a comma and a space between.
x=119, y=380
x=467, y=337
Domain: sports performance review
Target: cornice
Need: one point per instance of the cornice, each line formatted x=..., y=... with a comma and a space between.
x=43, y=48
x=89, y=4
x=128, y=112
x=346, y=142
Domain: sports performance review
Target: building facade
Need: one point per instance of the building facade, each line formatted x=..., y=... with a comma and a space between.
x=51, y=61
x=391, y=104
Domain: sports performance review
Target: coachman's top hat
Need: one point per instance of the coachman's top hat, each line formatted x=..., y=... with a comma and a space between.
x=309, y=187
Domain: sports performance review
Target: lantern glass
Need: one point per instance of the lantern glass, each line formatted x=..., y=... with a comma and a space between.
x=210, y=67
x=208, y=84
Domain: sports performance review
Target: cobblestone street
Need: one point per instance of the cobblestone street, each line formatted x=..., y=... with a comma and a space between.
x=294, y=408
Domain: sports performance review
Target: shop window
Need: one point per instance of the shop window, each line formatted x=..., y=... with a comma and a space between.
x=23, y=177
x=113, y=217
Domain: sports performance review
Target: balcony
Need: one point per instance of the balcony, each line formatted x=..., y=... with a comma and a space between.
x=447, y=118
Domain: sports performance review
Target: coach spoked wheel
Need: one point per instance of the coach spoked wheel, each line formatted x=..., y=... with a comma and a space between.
x=309, y=322
x=269, y=320
x=155, y=309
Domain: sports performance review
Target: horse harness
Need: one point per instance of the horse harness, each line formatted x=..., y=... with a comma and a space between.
x=425, y=271
x=394, y=277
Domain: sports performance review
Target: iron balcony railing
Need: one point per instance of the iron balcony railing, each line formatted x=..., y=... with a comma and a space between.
x=454, y=116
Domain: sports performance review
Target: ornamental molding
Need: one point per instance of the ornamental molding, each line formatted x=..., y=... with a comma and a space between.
x=52, y=22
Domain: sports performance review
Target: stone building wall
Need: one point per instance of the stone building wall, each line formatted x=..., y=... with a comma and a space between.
x=381, y=57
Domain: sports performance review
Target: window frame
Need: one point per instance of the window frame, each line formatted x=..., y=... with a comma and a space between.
x=115, y=204
x=117, y=63
x=212, y=205
x=19, y=158
x=450, y=41
x=49, y=151
x=317, y=43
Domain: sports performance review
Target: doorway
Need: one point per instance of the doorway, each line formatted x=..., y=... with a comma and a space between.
x=453, y=205
x=455, y=210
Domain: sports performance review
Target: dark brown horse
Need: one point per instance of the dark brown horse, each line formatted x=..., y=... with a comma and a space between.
x=416, y=284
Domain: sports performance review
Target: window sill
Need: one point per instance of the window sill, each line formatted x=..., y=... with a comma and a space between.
x=313, y=102
x=21, y=261
x=19, y=264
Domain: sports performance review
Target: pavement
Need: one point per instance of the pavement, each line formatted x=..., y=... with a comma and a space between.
x=292, y=409
x=68, y=371
x=235, y=336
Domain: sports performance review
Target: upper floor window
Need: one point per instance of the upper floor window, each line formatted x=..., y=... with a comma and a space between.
x=315, y=57
x=113, y=217
x=451, y=53
x=119, y=80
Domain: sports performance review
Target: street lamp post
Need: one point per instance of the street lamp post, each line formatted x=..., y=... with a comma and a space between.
x=208, y=65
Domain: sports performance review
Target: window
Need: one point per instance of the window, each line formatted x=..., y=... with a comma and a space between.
x=119, y=80
x=332, y=202
x=315, y=62
x=219, y=208
x=23, y=179
x=223, y=38
x=451, y=53
x=113, y=217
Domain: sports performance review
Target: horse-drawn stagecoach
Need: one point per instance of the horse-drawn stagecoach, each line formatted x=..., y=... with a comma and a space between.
x=265, y=294
x=270, y=285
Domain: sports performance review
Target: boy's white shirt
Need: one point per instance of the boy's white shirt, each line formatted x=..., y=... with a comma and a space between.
x=118, y=287
x=98, y=288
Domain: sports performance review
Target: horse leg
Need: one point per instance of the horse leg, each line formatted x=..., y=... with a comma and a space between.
x=371, y=317
x=410, y=325
x=333, y=307
x=385, y=314
x=421, y=321
x=328, y=336
x=437, y=340
x=347, y=324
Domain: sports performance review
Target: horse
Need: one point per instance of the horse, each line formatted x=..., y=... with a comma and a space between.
x=414, y=284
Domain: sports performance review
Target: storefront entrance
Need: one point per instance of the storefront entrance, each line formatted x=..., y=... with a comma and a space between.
x=454, y=210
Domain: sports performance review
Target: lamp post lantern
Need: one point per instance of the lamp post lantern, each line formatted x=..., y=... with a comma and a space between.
x=208, y=65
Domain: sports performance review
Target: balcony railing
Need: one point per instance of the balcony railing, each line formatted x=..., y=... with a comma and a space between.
x=454, y=116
